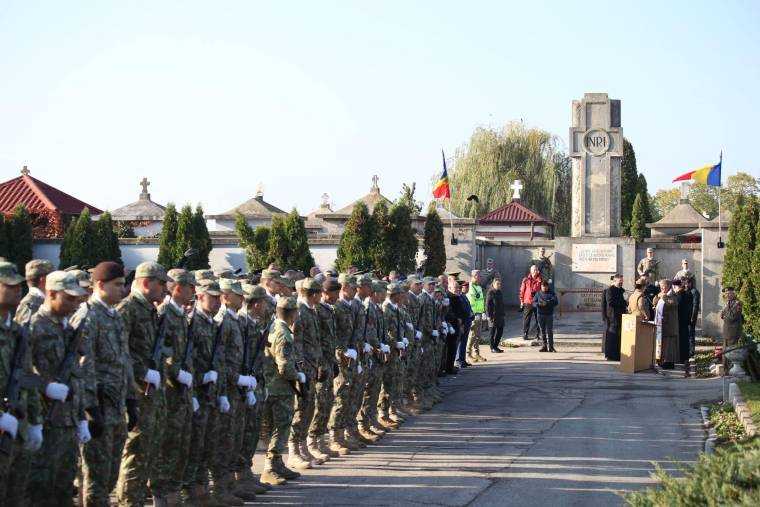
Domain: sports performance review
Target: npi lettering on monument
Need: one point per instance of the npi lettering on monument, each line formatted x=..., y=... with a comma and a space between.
x=595, y=258
x=596, y=142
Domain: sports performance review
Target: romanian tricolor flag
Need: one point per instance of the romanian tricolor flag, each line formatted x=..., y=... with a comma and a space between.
x=441, y=188
x=709, y=174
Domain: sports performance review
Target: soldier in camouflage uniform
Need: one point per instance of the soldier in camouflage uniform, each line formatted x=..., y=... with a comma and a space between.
x=36, y=271
x=54, y=467
x=280, y=374
x=369, y=426
x=404, y=393
x=206, y=372
x=308, y=353
x=106, y=354
x=429, y=332
x=178, y=364
x=396, y=327
x=254, y=327
x=414, y=309
x=138, y=463
x=345, y=352
x=326, y=374
x=233, y=388
x=21, y=420
x=363, y=291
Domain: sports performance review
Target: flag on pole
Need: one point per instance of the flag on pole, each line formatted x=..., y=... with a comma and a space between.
x=441, y=189
x=709, y=174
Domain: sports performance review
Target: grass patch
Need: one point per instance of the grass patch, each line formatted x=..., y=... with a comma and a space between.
x=751, y=394
x=727, y=426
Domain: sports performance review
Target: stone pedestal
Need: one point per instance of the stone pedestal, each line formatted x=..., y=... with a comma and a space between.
x=596, y=147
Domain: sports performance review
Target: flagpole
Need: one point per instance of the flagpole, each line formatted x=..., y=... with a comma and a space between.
x=720, y=219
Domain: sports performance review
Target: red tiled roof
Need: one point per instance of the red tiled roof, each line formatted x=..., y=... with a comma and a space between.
x=37, y=196
x=513, y=212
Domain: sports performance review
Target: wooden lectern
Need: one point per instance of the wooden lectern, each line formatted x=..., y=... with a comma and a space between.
x=637, y=345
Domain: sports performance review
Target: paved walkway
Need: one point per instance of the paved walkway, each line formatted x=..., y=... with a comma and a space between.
x=525, y=428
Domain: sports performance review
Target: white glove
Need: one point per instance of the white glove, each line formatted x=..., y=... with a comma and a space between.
x=434, y=333
x=83, y=431
x=56, y=391
x=33, y=438
x=409, y=326
x=406, y=342
x=224, y=404
x=254, y=382
x=9, y=424
x=478, y=316
x=400, y=345
x=367, y=348
x=250, y=398
x=210, y=377
x=153, y=377
x=350, y=353
x=452, y=330
x=196, y=405
x=385, y=348
x=184, y=377
x=301, y=377
x=359, y=369
x=418, y=335
x=245, y=381
x=446, y=301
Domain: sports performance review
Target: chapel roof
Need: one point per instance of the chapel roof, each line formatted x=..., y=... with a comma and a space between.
x=142, y=209
x=514, y=212
x=38, y=196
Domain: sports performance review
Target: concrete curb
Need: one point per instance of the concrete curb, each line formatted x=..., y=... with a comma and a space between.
x=711, y=435
x=741, y=409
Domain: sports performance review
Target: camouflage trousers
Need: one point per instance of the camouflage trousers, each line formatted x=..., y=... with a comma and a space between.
x=14, y=474
x=473, y=341
x=389, y=385
x=251, y=431
x=322, y=404
x=424, y=381
x=231, y=425
x=101, y=458
x=203, y=442
x=304, y=408
x=138, y=460
x=342, y=385
x=277, y=416
x=356, y=394
x=175, y=445
x=54, y=467
x=368, y=411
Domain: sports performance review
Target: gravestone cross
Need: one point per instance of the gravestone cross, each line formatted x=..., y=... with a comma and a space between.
x=596, y=147
x=516, y=187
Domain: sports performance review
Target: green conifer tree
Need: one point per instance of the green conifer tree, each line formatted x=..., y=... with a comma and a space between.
x=184, y=239
x=629, y=176
x=298, y=243
x=402, y=238
x=4, y=240
x=638, y=219
x=384, y=256
x=741, y=240
x=64, y=255
x=255, y=242
x=106, y=240
x=201, y=241
x=168, y=237
x=20, y=235
x=278, y=248
x=434, y=247
x=82, y=250
x=355, y=247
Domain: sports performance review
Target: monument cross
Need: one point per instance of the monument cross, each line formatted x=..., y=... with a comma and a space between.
x=375, y=180
x=596, y=146
x=516, y=187
x=144, y=184
x=685, y=191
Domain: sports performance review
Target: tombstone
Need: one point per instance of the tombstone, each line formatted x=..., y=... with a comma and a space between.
x=596, y=147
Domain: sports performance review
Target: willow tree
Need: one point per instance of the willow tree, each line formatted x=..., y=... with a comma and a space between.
x=492, y=159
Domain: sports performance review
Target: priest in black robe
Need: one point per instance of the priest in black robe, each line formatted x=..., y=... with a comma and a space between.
x=685, y=305
x=614, y=306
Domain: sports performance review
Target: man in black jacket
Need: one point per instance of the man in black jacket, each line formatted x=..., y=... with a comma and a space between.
x=495, y=312
x=455, y=316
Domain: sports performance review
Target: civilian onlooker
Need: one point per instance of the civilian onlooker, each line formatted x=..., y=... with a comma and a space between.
x=528, y=288
x=666, y=319
x=544, y=302
x=732, y=316
x=478, y=305
x=495, y=312
x=696, y=301
x=466, y=324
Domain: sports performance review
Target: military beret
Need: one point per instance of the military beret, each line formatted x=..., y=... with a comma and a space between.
x=210, y=287
x=150, y=269
x=395, y=288
x=230, y=285
x=106, y=271
x=38, y=267
x=65, y=282
x=270, y=274
x=330, y=285
x=9, y=274
x=253, y=292
x=83, y=278
x=346, y=279
x=204, y=274
x=183, y=276
x=288, y=303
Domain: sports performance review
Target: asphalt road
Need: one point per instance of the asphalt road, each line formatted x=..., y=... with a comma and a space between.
x=522, y=429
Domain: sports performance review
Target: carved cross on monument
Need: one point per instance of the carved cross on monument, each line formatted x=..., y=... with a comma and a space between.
x=375, y=186
x=144, y=184
x=685, y=191
x=516, y=187
x=25, y=171
x=596, y=146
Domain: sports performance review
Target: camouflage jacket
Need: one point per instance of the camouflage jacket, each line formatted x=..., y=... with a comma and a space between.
x=413, y=306
x=106, y=356
x=203, y=333
x=141, y=324
x=29, y=399
x=344, y=326
x=231, y=350
x=175, y=342
x=50, y=335
x=394, y=324
x=426, y=322
x=374, y=324
x=29, y=305
x=306, y=341
x=360, y=318
x=327, y=330
x=279, y=364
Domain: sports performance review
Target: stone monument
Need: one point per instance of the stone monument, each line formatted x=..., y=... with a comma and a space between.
x=596, y=146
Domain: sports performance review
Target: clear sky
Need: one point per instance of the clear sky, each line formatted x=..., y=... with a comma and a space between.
x=207, y=99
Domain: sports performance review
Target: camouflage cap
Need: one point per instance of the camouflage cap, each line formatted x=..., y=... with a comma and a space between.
x=346, y=279
x=64, y=281
x=253, y=292
x=270, y=274
x=288, y=282
x=9, y=274
x=230, y=285
x=438, y=288
x=210, y=287
x=38, y=267
x=395, y=288
x=310, y=284
x=363, y=281
x=379, y=286
x=225, y=273
x=183, y=276
x=429, y=279
x=150, y=269
x=412, y=280
x=204, y=274
x=288, y=303
x=83, y=278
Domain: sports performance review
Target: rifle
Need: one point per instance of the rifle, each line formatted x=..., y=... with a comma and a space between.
x=69, y=361
x=18, y=380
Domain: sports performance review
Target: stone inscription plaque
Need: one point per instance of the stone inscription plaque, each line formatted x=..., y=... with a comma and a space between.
x=593, y=258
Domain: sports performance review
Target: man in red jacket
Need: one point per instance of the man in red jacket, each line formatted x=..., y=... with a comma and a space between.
x=528, y=288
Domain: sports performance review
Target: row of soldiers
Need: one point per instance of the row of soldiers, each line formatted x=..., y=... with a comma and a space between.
x=163, y=389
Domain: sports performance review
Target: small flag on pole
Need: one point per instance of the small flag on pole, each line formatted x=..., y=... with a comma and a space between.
x=709, y=174
x=441, y=188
